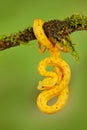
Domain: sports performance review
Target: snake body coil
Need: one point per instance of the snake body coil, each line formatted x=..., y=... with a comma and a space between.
x=56, y=82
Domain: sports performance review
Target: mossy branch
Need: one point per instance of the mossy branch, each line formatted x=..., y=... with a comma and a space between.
x=59, y=30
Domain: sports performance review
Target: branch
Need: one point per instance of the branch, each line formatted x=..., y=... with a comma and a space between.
x=58, y=30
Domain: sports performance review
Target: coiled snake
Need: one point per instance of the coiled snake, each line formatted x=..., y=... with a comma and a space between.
x=56, y=82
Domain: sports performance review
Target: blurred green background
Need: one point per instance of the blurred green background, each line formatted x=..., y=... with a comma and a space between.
x=18, y=69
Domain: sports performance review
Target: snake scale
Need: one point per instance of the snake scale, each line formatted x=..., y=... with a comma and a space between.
x=56, y=82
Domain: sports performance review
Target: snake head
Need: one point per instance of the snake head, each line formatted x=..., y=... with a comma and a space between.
x=46, y=84
x=43, y=86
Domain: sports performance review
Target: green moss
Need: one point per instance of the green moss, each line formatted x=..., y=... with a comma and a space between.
x=77, y=20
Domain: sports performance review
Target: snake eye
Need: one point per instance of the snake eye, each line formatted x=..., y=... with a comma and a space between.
x=41, y=87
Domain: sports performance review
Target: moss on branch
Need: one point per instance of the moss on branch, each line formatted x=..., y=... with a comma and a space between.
x=59, y=30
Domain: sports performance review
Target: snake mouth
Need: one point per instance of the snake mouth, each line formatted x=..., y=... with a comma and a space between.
x=44, y=87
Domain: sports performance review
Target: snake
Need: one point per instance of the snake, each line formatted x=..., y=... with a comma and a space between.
x=56, y=82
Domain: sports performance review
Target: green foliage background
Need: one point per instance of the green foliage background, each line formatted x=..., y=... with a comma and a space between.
x=18, y=69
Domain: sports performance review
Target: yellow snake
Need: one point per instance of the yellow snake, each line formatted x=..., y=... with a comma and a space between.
x=56, y=82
